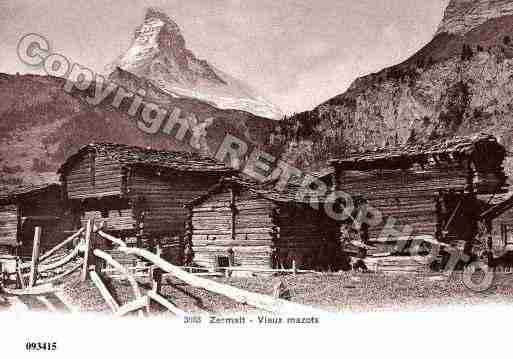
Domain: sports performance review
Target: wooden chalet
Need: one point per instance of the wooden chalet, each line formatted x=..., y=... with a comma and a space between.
x=432, y=188
x=24, y=208
x=498, y=221
x=240, y=223
x=138, y=193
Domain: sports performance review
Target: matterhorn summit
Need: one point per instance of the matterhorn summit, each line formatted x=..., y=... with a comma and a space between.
x=158, y=53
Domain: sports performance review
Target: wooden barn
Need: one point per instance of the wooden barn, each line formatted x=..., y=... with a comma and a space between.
x=24, y=208
x=498, y=221
x=240, y=223
x=138, y=193
x=431, y=188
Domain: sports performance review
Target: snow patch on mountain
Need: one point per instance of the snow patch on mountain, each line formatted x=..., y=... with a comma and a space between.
x=159, y=54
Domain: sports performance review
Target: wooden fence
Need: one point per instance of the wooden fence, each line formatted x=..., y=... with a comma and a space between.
x=95, y=258
x=95, y=262
x=39, y=275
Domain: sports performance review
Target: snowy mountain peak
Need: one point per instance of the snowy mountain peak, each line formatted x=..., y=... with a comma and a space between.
x=158, y=53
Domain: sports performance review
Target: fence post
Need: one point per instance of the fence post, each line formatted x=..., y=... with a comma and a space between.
x=294, y=267
x=88, y=254
x=156, y=274
x=19, y=274
x=156, y=278
x=97, y=242
x=35, y=257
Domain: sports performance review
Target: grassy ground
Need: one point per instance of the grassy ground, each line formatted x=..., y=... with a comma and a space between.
x=334, y=292
x=378, y=292
x=87, y=298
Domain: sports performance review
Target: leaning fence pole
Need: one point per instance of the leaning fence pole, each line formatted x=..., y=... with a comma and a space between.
x=88, y=251
x=35, y=257
x=155, y=277
x=156, y=274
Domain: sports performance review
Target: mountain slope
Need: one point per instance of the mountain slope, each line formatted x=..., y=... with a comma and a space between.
x=459, y=83
x=159, y=54
x=41, y=125
x=462, y=16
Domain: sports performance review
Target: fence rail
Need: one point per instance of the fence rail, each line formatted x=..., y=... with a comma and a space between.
x=96, y=260
x=29, y=276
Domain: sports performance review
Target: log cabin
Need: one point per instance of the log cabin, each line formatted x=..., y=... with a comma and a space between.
x=24, y=208
x=428, y=189
x=241, y=223
x=497, y=221
x=138, y=193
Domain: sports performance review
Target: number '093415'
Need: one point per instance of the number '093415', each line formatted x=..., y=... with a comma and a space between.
x=41, y=346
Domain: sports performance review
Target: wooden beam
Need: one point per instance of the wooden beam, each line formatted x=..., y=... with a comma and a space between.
x=19, y=275
x=233, y=208
x=47, y=303
x=167, y=304
x=135, y=286
x=35, y=257
x=62, y=245
x=38, y=290
x=134, y=305
x=156, y=279
x=156, y=274
x=453, y=216
x=62, y=275
x=88, y=253
x=40, y=218
x=64, y=260
x=257, y=300
x=109, y=299
x=113, y=239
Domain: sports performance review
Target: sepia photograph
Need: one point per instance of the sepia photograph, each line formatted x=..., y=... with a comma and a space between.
x=172, y=171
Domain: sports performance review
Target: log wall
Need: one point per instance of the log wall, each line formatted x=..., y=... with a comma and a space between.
x=92, y=177
x=502, y=230
x=8, y=225
x=6, y=250
x=212, y=224
x=406, y=196
x=418, y=212
x=254, y=227
x=119, y=220
x=164, y=198
x=54, y=226
x=393, y=183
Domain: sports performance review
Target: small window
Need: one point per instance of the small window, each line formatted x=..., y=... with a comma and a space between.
x=223, y=261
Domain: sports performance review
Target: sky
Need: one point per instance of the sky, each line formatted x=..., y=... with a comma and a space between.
x=297, y=53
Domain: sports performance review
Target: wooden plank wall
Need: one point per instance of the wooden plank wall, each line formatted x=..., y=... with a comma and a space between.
x=212, y=230
x=393, y=183
x=8, y=225
x=419, y=212
x=6, y=250
x=164, y=198
x=108, y=178
x=253, y=230
x=47, y=204
x=118, y=219
x=408, y=196
x=504, y=222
